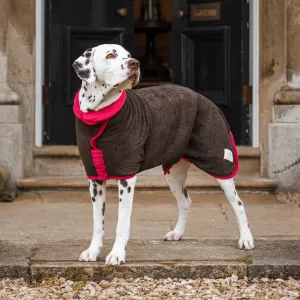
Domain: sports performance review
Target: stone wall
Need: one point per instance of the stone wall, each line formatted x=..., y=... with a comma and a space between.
x=284, y=130
x=272, y=67
x=284, y=141
x=293, y=44
x=17, y=19
x=21, y=69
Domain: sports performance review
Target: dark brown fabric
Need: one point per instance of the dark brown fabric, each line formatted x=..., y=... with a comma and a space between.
x=84, y=133
x=159, y=126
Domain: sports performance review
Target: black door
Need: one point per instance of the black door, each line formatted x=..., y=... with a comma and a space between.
x=211, y=56
x=71, y=27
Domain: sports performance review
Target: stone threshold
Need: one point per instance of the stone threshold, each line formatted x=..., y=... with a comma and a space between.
x=194, y=183
x=72, y=151
x=215, y=258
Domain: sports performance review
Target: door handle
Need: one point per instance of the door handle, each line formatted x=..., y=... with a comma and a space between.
x=181, y=13
x=122, y=12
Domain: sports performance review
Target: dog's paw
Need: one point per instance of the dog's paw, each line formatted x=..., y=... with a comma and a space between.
x=246, y=242
x=173, y=236
x=116, y=257
x=90, y=254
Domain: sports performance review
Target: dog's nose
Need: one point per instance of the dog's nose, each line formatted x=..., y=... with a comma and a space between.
x=133, y=63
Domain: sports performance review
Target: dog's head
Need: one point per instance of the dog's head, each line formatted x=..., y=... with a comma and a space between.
x=110, y=64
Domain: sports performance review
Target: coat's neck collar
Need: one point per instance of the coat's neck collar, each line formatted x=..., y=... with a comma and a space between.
x=96, y=117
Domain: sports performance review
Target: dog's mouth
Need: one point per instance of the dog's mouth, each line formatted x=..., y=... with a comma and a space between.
x=134, y=78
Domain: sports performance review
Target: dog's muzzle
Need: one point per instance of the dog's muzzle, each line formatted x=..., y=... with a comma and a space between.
x=133, y=64
x=134, y=74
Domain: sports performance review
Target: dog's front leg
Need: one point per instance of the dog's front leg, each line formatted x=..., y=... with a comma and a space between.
x=118, y=252
x=98, y=194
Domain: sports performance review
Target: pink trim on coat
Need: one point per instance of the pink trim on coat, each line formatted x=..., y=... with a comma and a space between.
x=96, y=117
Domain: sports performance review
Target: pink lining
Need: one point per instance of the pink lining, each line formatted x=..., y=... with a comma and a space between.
x=111, y=177
x=98, y=159
x=96, y=117
x=236, y=157
x=168, y=169
x=93, y=139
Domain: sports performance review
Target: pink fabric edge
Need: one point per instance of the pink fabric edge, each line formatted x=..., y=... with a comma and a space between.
x=167, y=169
x=93, y=139
x=236, y=157
x=111, y=177
x=95, y=117
x=98, y=160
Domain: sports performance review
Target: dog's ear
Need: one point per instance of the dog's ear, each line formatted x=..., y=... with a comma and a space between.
x=84, y=68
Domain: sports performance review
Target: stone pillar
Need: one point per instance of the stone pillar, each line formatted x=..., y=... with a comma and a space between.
x=272, y=68
x=284, y=141
x=6, y=95
x=11, y=135
x=293, y=44
x=284, y=131
x=21, y=71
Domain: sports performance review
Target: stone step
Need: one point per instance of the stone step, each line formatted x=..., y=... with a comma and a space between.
x=190, y=258
x=65, y=161
x=205, y=184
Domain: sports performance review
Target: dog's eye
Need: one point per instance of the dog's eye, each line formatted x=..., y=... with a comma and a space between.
x=110, y=56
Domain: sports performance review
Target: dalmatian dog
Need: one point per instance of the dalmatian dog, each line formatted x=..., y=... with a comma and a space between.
x=106, y=71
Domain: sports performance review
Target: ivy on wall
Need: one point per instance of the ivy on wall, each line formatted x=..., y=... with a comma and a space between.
x=297, y=162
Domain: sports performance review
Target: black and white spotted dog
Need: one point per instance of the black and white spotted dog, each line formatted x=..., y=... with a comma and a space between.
x=105, y=72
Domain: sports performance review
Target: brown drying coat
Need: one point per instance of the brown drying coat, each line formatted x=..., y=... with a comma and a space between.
x=159, y=126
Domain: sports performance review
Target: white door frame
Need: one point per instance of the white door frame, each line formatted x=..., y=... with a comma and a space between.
x=39, y=70
x=253, y=69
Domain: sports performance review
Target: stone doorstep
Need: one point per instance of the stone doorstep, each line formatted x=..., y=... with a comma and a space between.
x=215, y=258
x=194, y=183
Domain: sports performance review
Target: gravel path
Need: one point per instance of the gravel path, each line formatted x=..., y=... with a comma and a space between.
x=289, y=198
x=147, y=288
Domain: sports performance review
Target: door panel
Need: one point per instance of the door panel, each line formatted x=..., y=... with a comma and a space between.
x=209, y=55
x=71, y=28
x=206, y=62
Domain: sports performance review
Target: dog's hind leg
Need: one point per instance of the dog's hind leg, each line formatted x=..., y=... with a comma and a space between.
x=126, y=192
x=246, y=239
x=176, y=178
x=98, y=194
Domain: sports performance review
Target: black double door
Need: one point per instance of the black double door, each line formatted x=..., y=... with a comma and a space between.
x=209, y=53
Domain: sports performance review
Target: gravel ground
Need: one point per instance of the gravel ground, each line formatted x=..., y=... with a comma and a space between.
x=289, y=198
x=147, y=288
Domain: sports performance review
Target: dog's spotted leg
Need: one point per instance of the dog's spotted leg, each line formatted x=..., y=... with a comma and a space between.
x=98, y=194
x=118, y=252
x=176, y=178
x=246, y=238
